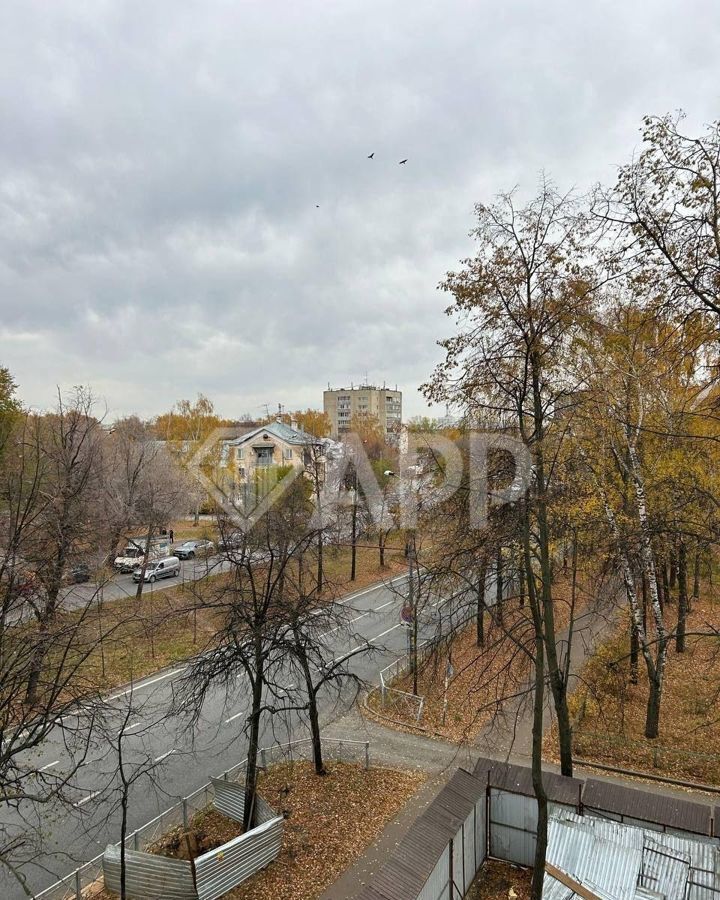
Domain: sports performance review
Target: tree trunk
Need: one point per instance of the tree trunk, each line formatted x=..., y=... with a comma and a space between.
x=320, y=574
x=143, y=567
x=381, y=545
x=673, y=570
x=634, y=652
x=696, y=578
x=652, y=717
x=499, y=585
x=665, y=583
x=682, y=598
x=480, y=615
x=538, y=876
x=354, y=536
x=252, y=752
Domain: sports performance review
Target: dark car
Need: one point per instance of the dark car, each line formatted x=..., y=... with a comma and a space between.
x=191, y=549
x=232, y=541
x=79, y=574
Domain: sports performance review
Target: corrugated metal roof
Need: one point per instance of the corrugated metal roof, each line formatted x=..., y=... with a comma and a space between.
x=671, y=812
x=624, y=862
x=403, y=876
x=518, y=780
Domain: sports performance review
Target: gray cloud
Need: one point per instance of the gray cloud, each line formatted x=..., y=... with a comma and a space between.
x=160, y=167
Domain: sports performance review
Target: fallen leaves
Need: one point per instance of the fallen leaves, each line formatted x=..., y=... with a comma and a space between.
x=329, y=821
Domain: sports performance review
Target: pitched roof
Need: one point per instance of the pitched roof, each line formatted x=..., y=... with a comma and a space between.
x=279, y=430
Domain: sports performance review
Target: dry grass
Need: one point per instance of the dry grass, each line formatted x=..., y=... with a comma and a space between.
x=611, y=711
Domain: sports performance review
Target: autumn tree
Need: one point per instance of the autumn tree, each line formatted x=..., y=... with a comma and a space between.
x=519, y=304
x=663, y=212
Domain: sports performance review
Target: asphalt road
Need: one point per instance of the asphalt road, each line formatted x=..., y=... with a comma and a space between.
x=185, y=756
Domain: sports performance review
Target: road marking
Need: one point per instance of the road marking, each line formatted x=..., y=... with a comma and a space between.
x=86, y=799
x=349, y=622
x=236, y=716
x=369, y=590
x=144, y=684
x=369, y=643
x=130, y=728
x=49, y=765
x=164, y=756
x=378, y=636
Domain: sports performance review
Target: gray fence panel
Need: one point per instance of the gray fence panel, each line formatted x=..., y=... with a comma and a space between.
x=513, y=826
x=480, y=831
x=458, y=861
x=148, y=877
x=222, y=869
x=229, y=798
x=263, y=812
x=469, y=867
x=437, y=886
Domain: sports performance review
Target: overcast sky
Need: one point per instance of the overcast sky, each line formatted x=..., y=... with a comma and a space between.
x=162, y=165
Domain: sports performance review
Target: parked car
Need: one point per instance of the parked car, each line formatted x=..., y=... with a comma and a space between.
x=232, y=541
x=191, y=549
x=79, y=574
x=158, y=568
x=132, y=556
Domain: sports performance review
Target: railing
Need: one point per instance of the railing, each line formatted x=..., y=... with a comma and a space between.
x=74, y=885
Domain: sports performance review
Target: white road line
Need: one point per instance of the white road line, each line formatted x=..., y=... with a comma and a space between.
x=378, y=636
x=163, y=756
x=369, y=590
x=369, y=643
x=378, y=608
x=345, y=624
x=49, y=765
x=130, y=727
x=236, y=716
x=144, y=684
x=86, y=799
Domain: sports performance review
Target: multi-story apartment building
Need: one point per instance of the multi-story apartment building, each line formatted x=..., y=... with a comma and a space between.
x=344, y=404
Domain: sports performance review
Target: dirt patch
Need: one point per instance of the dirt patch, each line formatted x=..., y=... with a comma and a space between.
x=610, y=711
x=329, y=822
x=206, y=831
x=501, y=881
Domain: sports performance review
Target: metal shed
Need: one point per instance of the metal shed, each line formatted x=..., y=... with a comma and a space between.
x=644, y=808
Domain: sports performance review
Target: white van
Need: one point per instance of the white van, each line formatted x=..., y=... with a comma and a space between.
x=159, y=568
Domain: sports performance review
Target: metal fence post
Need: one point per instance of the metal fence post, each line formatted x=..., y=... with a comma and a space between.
x=367, y=754
x=78, y=885
x=185, y=816
x=263, y=761
x=136, y=841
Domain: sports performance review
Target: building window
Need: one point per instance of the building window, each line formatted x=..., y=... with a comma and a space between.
x=264, y=456
x=240, y=453
x=287, y=454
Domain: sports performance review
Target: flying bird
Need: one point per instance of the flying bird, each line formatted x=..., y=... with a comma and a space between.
x=371, y=155
x=317, y=206
x=402, y=162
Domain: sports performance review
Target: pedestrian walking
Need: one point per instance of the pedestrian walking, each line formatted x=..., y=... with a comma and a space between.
x=172, y=536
